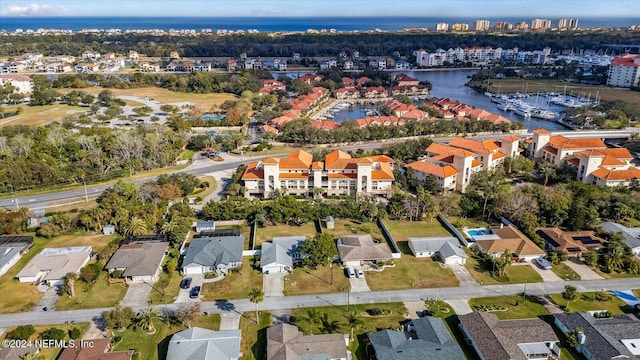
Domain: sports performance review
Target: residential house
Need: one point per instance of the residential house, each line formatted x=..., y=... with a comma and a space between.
x=361, y=250
x=374, y=92
x=90, y=55
x=490, y=153
x=348, y=82
x=508, y=238
x=22, y=84
x=523, y=339
x=205, y=226
x=570, y=242
x=279, y=255
x=403, y=65
x=347, y=65
x=405, y=80
x=284, y=342
x=133, y=55
x=99, y=349
x=140, y=258
x=339, y=174
x=149, y=67
x=603, y=338
x=109, y=229
x=52, y=264
x=201, y=344
x=232, y=65
x=631, y=235
x=216, y=253
x=311, y=78
x=325, y=124
x=81, y=68
x=11, y=249
x=269, y=129
x=446, y=249
x=347, y=93
x=424, y=338
x=363, y=80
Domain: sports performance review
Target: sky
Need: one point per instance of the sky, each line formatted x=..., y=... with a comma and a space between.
x=313, y=8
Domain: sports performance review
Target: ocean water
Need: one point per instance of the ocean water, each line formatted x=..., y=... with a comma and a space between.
x=267, y=24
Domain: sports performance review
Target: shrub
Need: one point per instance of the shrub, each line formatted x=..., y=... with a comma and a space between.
x=75, y=333
x=22, y=332
x=374, y=311
x=53, y=334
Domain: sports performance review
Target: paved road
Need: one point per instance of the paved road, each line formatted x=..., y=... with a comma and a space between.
x=336, y=299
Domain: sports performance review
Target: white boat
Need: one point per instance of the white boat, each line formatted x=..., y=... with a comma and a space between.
x=543, y=114
x=505, y=106
x=522, y=110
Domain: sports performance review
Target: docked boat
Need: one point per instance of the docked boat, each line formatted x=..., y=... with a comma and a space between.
x=522, y=110
x=505, y=106
x=543, y=114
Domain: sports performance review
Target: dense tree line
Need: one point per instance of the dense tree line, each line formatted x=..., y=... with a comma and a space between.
x=308, y=45
x=42, y=156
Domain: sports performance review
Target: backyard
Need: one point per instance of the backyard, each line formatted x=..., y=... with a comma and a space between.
x=253, y=342
x=269, y=232
x=236, y=285
x=304, y=281
x=402, y=230
x=349, y=227
x=586, y=301
x=481, y=269
x=510, y=307
x=245, y=230
x=411, y=273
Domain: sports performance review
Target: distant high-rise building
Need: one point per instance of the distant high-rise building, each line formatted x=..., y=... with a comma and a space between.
x=540, y=24
x=481, y=25
x=567, y=23
x=442, y=27
x=503, y=25
x=460, y=27
x=624, y=71
x=522, y=26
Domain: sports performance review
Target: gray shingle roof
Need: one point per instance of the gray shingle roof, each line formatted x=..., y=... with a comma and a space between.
x=446, y=246
x=209, y=251
x=138, y=259
x=631, y=235
x=602, y=336
x=284, y=342
x=429, y=339
x=281, y=250
x=201, y=344
x=362, y=247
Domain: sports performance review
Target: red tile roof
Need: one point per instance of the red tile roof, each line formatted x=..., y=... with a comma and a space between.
x=429, y=168
x=617, y=175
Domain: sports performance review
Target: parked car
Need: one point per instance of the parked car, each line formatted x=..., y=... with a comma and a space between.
x=359, y=273
x=543, y=263
x=350, y=272
x=195, y=292
x=185, y=283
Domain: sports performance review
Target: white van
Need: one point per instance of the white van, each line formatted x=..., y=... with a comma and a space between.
x=351, y=272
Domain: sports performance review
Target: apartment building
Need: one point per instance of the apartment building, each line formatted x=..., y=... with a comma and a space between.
x=481, y=25
x=442, y=27
x=338, y=174
x=540, y=24
x=567, y=23
x=624, y=71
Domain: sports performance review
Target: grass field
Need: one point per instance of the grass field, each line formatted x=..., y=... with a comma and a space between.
x=236, y=286
x=17, y=296
x=586, y=302
x=253, y=342
x=411, y=273
x=164, y=96
x=565, y=272
x=203, y=193
x=97, y=295
x=402, y=230
x=245, y=231
x=267, y=233
x=187, y=155
x=545, y=85
x=614, y=275
x=63, y=206
x=515, y=274
x=170, y=291
x=39, y=115
x=349, y=227
x=305, y=281
x=516, y=307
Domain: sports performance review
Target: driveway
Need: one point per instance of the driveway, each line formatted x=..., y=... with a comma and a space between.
x=137, y=294
x=273, y=285
x=183, y=294
x=582, y=269
x=415, y=308
x=230, y=320
x=359, y=285
x=460, y=306
x=547, y=275
x=49, y=299
x=463, y=275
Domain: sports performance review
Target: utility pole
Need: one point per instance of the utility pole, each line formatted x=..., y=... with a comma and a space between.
x=15, y=200
x=331, y=271
x=524, y=294
x=86, y=195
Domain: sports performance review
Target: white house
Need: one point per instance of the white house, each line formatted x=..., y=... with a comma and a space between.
x=139, y=261
x=631, y=235
x=52, y=264
x=21, y=83
x=447, y=249
x=11, y=250
x=279, y=255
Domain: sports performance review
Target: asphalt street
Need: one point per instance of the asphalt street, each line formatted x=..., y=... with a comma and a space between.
x=335, y=299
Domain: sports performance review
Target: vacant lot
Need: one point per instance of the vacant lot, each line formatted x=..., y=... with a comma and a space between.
x=304, y=281
x=349, y=227
x=402, y=230
x=39, y=115
x=587, y=302
x=100, y=294
x=236, y=286
x=516, y=307
x=267, y=233
x=411, y=273
x=17, y=296
x=540, y=85
x=481, y=270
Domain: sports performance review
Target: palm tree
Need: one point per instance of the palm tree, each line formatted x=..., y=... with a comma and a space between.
x=329, y=326
x=570, y=293
x=256, y=295
x=134, y=227
x=353, y=320
x=547, y=171
x=168, y=227
x=31, y=356
x=145, y=319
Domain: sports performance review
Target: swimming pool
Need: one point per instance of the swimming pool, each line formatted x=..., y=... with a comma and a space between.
x=475, y=232
x=480, y=234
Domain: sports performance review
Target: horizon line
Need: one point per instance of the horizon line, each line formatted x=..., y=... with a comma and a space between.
x=314, y=16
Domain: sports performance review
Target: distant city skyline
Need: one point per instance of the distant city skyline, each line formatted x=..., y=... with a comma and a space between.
x=551, y=9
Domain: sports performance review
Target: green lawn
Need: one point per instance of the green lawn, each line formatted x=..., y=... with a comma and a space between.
x=236, y=286
x=402, y=230
x=516, y=307
x=614, y=275
x=187, y=155
x=253, y=343
x=565, y=272
x=17, y=296
x=203, y=193
x=97, y=295
x=305, y=281
x=586, y=302
x=636, y=292
x=411, y=273
x=349, y=227
x=245, y=230
x=480, y=270
x=211, y=322
x=267, y=233
x=171, y=290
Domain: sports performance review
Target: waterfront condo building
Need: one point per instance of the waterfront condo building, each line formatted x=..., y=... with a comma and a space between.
x=338, y=174
x=624, y=71
x=460, y=27
x=522, y=26
x=595, y=163
x=442, y=27
x=481, y=25
x=452, y=165
x=567, y=23
x=540, y=24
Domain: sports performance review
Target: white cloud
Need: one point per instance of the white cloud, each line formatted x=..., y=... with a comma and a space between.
x=34, y=10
